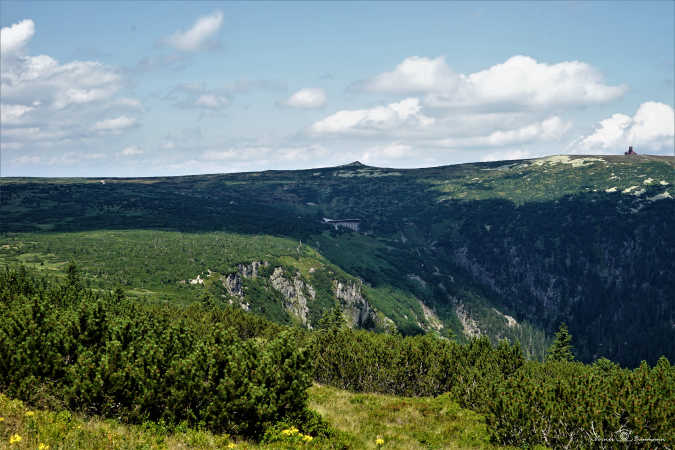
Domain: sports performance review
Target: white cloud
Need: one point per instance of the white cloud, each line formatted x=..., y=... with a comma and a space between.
x=550, y=129
x=414, y=75
x=609, y=132
x=13, y=114
x=652, y=128
x=26, y=160
x=197, y=37
x=114, y=125
x=307, y=98
x=211, y=101
x=15, y=37
x=198, y=96
x=508, y=154
x=404, y=114
x=46, y=103
x=73, y=158
x=519, y=82
x=42, y=79
x=128, y=102
x=387, y=152
x=132, y=150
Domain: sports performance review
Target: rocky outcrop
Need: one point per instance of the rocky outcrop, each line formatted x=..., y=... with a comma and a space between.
x=431, y=318
x=233, y=283
x=356, y=309
x=295, y=292
x=469, y=324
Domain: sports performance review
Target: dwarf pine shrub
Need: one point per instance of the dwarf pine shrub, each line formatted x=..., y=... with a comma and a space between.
x=101, y=354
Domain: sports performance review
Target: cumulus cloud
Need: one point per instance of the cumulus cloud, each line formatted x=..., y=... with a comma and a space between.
x=199, y=36
x=509, y=154
x=41, y=78
x=15, y=37
x=651, y=128
x=114, y=125
x=550, y=129
x=132, y=150
x=307, y=98
x=49, y=104
x=404, y=114
x=519, y=82
x=414, y=75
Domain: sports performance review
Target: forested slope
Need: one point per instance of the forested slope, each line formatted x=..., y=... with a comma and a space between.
x=507, y=249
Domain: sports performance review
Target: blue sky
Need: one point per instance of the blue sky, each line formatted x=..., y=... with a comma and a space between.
x=153, y=88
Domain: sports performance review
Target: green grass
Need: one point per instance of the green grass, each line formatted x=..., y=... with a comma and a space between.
x=401, y=422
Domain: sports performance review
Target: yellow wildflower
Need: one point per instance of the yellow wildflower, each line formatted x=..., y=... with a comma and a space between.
x=379, y=441
x=289, y=431
x=14, y=439
x=43, y=446
x=307, y=438
x=30, y=413
x=231, y=445
x=2, y=419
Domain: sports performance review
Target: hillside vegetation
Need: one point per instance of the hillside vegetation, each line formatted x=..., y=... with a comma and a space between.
x=508, y=249
x=210, y=367
x=401, y=423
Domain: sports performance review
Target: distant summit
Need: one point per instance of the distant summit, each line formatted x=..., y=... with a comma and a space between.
x=354, y=164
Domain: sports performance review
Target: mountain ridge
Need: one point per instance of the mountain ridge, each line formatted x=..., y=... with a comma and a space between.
x=576, y=238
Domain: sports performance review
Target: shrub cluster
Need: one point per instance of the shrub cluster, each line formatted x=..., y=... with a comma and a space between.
x=412, y=366
x=569, y=404
x=559, y=404
x=103, y=354
x=231, y=371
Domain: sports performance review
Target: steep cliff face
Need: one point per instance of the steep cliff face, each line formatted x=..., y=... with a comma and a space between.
x=296, y=293
x=355, y=307
x=232, y=282
x=603, y=269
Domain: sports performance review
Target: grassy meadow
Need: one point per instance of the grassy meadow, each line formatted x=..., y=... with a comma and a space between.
x=362, y=419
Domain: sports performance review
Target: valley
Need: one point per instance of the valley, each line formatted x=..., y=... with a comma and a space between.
x=507, y=249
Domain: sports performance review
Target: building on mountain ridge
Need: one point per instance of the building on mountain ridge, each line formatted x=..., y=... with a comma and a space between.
x=630, y=151
x=352, y=224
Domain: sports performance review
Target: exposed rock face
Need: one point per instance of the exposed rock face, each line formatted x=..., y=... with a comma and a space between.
x=431, y=317
x=469, y=324
x=356, y=309
x=510, y=321
x=251, y=270
x=232, y=282
x=295, y=292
